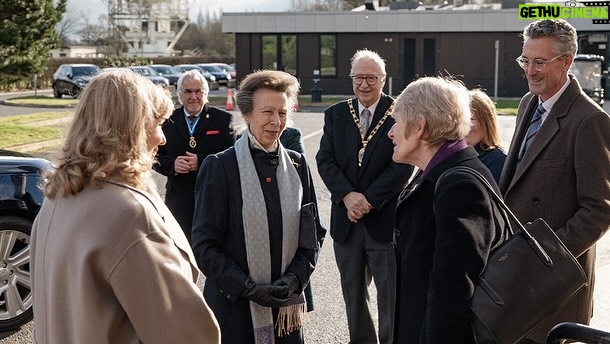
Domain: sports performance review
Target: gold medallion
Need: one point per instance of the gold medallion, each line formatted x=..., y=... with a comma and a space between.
x=361, y=155
x=192, y=142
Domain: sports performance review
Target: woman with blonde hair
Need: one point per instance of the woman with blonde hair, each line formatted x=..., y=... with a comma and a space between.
x=445, y=227
x=484, y=134
x=110, y=263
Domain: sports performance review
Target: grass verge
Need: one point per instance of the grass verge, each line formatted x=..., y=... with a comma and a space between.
x=23, y=129
x=43, y=101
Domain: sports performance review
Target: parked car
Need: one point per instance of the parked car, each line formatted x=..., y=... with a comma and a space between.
x=168, y=72
x=151, y=75
x=227, y=68
x=70, y=79
x=20, y=201
x=588, y=70
x=223, y=77
x=212, y=82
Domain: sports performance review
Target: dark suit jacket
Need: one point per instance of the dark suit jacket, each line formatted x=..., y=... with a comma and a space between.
x=379, y=178
x=442, y=244
x=563, y=178
x=292, y=138
x=220, y=248
x=213, y=133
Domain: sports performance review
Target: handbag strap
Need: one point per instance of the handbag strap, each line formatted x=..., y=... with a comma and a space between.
x=532, y=241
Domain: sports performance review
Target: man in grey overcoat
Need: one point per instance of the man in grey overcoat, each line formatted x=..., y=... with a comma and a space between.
x=558, y=163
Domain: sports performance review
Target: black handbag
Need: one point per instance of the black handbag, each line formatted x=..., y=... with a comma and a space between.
x=527, y=278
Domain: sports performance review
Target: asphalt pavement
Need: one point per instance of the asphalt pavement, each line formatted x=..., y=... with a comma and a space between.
x=327, y=323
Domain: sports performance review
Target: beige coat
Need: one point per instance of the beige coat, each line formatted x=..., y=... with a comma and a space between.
x=111, y=265
x=564, y=179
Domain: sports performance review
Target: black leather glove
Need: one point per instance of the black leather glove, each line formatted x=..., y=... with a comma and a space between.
x=264, y=294
x=289, y=284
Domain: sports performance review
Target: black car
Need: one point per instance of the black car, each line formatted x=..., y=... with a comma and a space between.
x=223, y=77
x=167, y=71
x=70, y=79
x=20, y=201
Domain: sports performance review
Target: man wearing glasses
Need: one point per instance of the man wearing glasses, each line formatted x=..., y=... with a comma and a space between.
x=355, y=163
x=194, y=131
x=558, y=162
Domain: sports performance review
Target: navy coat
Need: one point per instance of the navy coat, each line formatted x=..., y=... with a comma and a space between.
x=219, y=244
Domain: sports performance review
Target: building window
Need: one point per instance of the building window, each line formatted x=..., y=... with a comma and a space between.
x=328, y=55
x=270, y=52
x=289, y=54
x=429, y=56
x=280, y=52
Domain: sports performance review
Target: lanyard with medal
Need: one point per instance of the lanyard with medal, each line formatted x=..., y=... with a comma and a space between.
x=191, y=125
x=366, y=140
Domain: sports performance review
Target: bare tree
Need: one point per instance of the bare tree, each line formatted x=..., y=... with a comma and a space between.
x=70, y=25
x=95, y=34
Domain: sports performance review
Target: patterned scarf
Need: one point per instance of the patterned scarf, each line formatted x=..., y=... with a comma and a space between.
x=256, y=229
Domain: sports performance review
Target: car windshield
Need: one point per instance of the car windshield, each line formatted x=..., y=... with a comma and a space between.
x=225, y=67
x=164, y=70
x=141, y=71
x=212, y=68
x=85, y=70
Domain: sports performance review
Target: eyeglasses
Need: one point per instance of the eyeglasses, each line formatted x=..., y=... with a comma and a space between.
x=370, y=79
x=198, y=93
x=539, y=64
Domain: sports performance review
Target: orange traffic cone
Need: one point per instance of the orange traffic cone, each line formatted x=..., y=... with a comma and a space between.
x=229, y=105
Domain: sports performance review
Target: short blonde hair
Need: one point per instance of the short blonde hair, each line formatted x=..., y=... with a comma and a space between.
x=442, y=102
x=107, y=138
x=485, y=110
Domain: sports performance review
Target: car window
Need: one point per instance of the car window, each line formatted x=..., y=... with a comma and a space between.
x=85, y=70
x=151, y=71
x=213, y=68
x=20, y=186
x=164, y=70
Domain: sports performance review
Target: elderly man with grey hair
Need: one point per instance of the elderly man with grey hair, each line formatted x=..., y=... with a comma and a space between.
x=355, y=163
x=194, y=131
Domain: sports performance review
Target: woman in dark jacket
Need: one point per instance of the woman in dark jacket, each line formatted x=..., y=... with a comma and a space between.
x=256, y=231
x=443, y=237
x=484, y=133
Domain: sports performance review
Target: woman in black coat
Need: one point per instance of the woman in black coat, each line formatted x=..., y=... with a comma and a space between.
x=443, y=237
x=256, y=230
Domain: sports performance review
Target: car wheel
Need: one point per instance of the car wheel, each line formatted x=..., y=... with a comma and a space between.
x=16, y=297
x=75, y=91
x=56, y=92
